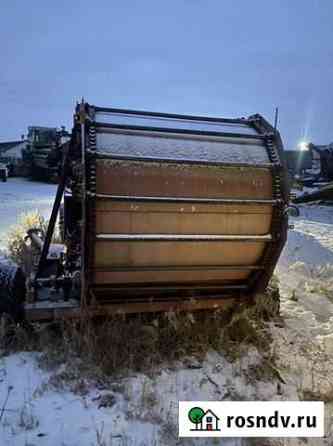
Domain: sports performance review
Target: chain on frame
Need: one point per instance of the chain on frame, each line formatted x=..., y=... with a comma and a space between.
x=91, y=201
x=272, y=249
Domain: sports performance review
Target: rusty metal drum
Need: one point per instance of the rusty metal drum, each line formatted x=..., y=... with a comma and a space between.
x=176, y=209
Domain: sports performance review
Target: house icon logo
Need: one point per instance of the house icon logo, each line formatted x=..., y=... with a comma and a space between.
x=203, y=421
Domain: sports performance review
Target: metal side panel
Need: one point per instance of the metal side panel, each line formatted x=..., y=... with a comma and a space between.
x=164, y=120
x=181, y=147
x=181, y=276
x=183, y=218
x=176, y=253
x=181, y=180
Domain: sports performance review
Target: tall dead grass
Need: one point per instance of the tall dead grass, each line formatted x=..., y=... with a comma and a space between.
x=17, y=234
x=127, y=343
x=16, y=237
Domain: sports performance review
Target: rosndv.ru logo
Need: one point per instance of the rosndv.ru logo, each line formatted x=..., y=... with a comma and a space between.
x=273, y=421
x=251, y=419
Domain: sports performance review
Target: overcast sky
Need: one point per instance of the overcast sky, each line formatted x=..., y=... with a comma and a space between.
x=223, y=58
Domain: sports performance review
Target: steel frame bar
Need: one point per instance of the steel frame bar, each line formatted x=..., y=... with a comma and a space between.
x=182, y=199
x=49, y=313
x=54, y=213
x=171, y=115
x=181, y=268
x=84, y=281
x=176, y=131
x=182, y=238
x=279, y=224
x=163, y=288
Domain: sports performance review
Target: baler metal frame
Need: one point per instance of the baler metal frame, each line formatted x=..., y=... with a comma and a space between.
x=84, y=134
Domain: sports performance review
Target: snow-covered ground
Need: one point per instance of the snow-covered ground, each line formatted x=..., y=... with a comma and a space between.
x=305, y=271
x=18, y=196
x=142, y=409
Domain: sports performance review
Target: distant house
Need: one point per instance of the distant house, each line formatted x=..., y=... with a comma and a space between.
x=323, y=157
x=11, y=155
x=298, y=160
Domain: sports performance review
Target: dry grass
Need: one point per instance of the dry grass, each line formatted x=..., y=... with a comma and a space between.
x=96, y=353
x=16, y=235
x=140, y=343
x=27, y=420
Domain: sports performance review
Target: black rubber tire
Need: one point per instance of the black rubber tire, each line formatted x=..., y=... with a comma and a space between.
x=12, y=290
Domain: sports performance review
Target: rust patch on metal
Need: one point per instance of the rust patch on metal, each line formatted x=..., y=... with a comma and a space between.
x=157, y=179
